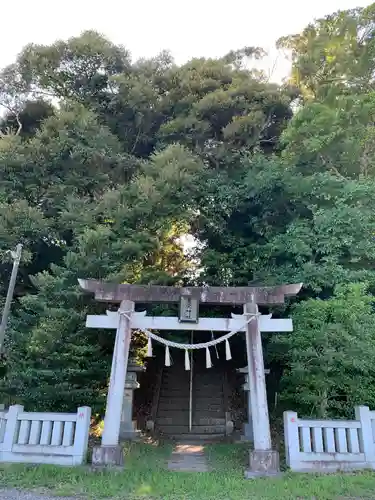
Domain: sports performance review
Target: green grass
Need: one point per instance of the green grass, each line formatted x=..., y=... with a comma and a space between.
x=146, y=477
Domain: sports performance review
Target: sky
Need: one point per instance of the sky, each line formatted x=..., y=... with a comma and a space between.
x=194, y=28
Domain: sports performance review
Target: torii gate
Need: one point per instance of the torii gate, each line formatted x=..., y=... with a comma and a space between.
x=263, y=460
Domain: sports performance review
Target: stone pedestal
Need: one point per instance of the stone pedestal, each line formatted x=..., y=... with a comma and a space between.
x=247, y=432
x=263, y=463
x=110, y=456
x=128, y=427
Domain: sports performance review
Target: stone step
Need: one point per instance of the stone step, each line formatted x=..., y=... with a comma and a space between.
x=166, y=411
x=205, y=402
x=208, y=378
x=213, y=398
x=200, y=385
x=193, y=438
x=208, y=395
x=208, y=429
x=183, y=406
x=176, y=430
x=208, y=421
x=183, y=419
x=175, y=381
x=173, y=399
x=166, y=391
x=162, y=409
x=204, y=409
x=184, y=415
x=170, y=396
x=175, y=388
x=172, y=420
x=210, y=390
x=198, y=417
x=176, y=375
x=207, y=385
x=208, y=405
x=209, y=412
x=175, y=367
x=197, y=379
x=181, y=375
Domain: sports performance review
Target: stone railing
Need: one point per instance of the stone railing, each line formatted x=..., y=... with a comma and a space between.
x=330, y=445
x=44, y=438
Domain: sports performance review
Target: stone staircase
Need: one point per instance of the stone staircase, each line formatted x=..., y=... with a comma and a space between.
x=208, y=409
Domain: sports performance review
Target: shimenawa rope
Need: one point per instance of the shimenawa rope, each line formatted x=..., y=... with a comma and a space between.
x=202, y=345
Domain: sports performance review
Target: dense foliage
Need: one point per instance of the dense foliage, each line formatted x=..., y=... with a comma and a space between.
x=106, y=165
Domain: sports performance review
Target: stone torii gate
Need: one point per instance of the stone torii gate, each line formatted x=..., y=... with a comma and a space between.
x=263, y=459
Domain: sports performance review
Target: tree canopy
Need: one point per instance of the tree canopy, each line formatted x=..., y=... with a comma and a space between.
x=108, y=164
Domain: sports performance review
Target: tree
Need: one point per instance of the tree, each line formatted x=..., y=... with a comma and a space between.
x=209, y=105
x=31, y=116
x=13, y=94
x=138, y=154
x=219, y=110
x=78, y=68
x=334, y=55
x=330, y=357
x=71, y=157
x=335, y=137
x=128, y=234
x=273, y=225
x=103, y=191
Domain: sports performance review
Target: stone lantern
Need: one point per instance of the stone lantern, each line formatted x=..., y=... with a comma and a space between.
x=248, y=428
x=128, y=426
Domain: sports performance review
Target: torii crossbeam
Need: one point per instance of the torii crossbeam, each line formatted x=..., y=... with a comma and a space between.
x=261, y=295
x=263, y=460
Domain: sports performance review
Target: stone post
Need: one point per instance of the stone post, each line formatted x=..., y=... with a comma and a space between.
x=263, y=460
x=366, y=434
x=9, y=432
x=81, y=437
x=128, y=428
x=110, y=452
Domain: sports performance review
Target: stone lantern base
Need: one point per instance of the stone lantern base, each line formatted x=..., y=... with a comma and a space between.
x=129, y=432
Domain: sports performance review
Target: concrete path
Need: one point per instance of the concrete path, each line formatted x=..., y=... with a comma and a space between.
x=188, y=458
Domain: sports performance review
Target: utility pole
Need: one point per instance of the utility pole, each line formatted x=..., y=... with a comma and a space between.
x=16, y=256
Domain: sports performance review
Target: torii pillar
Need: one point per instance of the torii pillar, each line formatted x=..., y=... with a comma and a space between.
x=264, y=460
